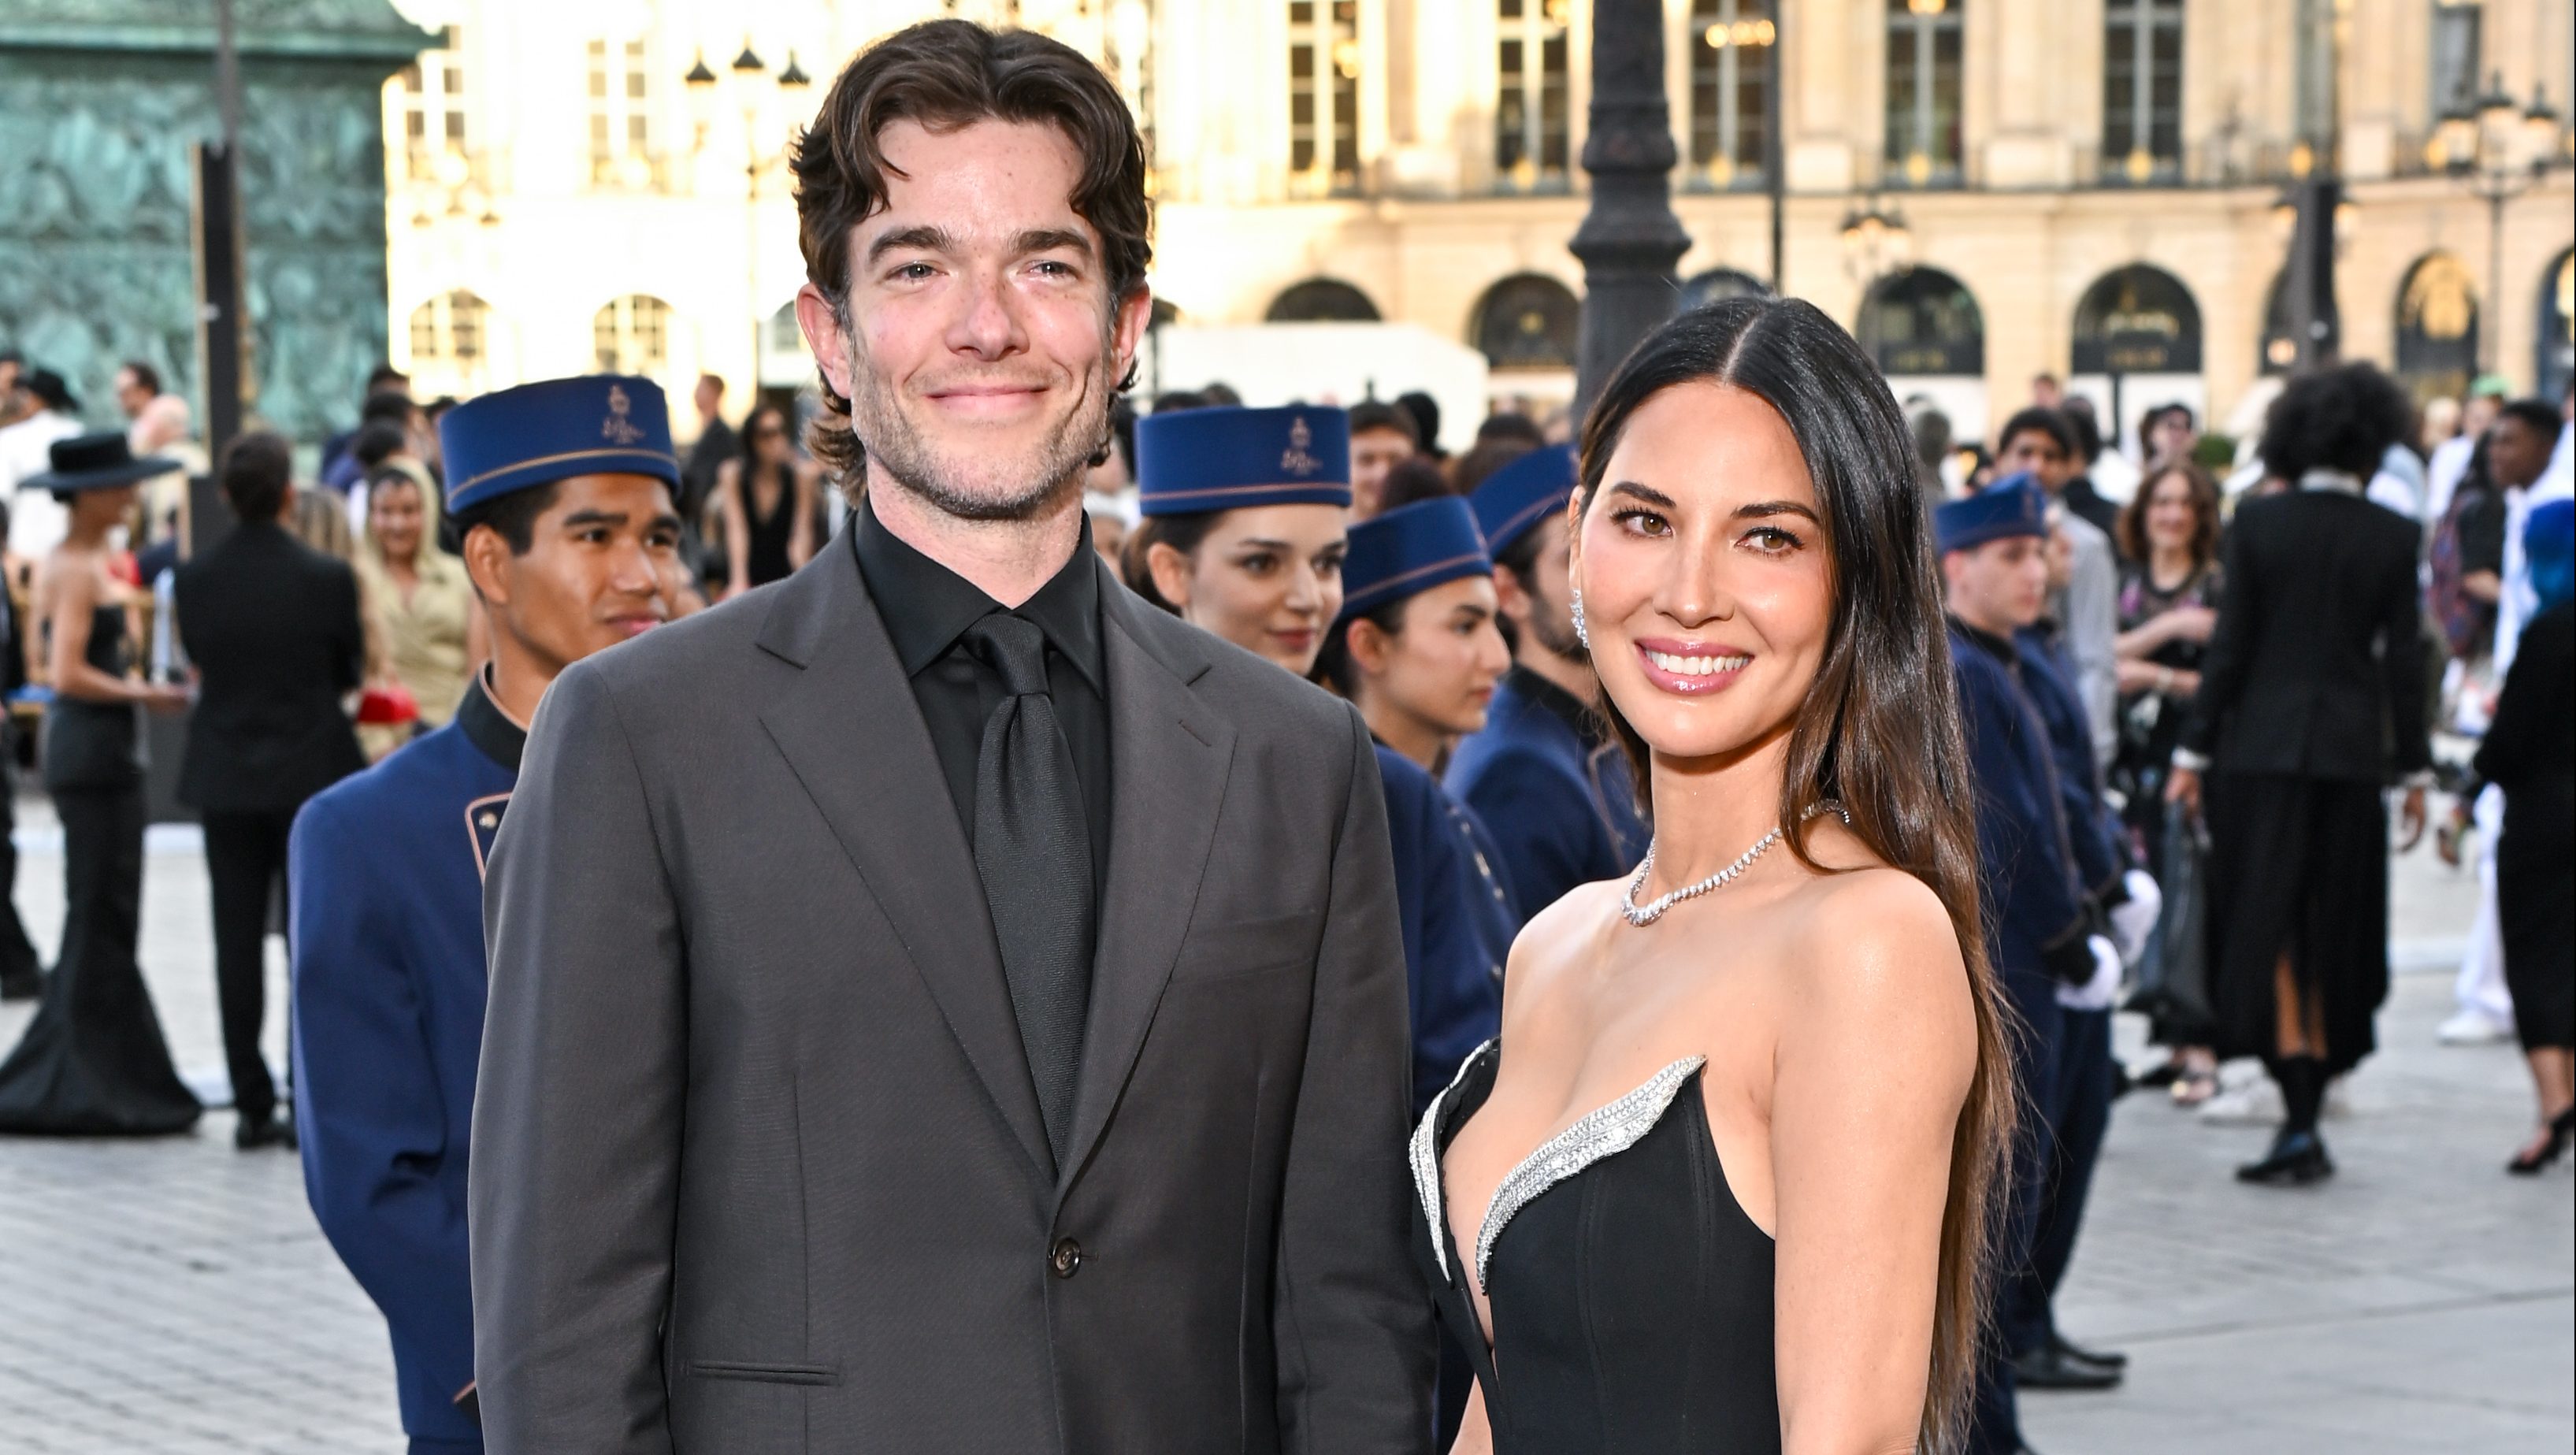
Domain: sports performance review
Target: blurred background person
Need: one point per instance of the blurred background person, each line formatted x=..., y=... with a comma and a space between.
x=716, y=443
x=419, y=604
x=1245, y=524
x=2449, y=462
x=1426, y=422
x=1109, y=486
x=1419, y=654
x=1382, y=437
x=2314, y=660
x=273, y=629
x=2529, y=754
x=2167, y=434
x=2041, y=443
x=2103, y=476
x=340, y=469
x=2170, y=589
x=93, y=1061
x=47, y=413
x=766, y=500
x=1543, y=775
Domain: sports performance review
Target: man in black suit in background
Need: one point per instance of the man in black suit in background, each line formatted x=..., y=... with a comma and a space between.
x=940, y=1002
x=273, y=629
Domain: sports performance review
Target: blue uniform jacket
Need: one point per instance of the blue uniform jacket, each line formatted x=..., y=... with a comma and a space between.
x=1457, y=917
x=2092, y=831
x=1560, y=809
x=387, y=945
x=2024, y=860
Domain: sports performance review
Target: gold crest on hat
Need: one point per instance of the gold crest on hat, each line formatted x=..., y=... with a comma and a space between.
x=617, y=428
x=1296, y=461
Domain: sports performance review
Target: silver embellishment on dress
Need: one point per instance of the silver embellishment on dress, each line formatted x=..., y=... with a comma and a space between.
x=1597, y=1134
x=1425, y=1150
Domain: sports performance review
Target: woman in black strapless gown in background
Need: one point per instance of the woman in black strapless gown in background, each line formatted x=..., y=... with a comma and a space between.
x=93, y=1062
x=1727, y=1169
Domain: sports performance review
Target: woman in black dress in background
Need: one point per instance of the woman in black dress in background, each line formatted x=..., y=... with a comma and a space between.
x=93, y=1062
x=766, y=499
x=1729, y=1166
x=2530, y=753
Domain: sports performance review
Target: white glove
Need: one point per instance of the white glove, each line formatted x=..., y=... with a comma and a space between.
x=2100, y=992
x=2132, y=922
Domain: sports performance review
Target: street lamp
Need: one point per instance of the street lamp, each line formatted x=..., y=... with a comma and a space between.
x=2498, y=149
x=1876, y=241
x=745, y=75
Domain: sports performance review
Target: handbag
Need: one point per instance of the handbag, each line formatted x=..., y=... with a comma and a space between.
x=2173, y=979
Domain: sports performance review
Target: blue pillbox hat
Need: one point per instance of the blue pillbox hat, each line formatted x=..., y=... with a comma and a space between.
x=2012, y=506
x=1192, y=461
x=1409, y=550
x=513, y=439
x=1515, y=498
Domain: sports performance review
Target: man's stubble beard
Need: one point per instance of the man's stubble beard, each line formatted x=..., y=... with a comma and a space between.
x=908, y=460
x=1553, y=624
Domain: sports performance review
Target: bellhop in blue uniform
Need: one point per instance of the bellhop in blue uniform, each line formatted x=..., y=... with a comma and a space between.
x=1542, y=777
x=2035, y=913
x=1456, y=909
x=386, y=869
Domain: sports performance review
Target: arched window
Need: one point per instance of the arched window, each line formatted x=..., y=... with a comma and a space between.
x=2437, y=326
x=1322, y=300
x=1532, y=106
x=1924, y=75
x=632, y=335
x=1923, y=321
x=2557, y=333
x=1324, y=94
x=2137, y=320
x=1719, y=283
x=1733, y=44
x=451, y=331
x=2142, y=90
x=1529, y=321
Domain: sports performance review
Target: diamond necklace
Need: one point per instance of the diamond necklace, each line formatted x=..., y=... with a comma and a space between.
x=1642, y=916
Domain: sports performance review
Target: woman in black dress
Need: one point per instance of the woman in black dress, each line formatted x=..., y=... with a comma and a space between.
x=2170, y=586
x=2530, y=752
x=1729, y=1165
x=766, y=499
x=93, y=1062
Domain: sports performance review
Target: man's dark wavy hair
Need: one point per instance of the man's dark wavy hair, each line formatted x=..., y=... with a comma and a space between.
x=946, y=75
x=2343, y=418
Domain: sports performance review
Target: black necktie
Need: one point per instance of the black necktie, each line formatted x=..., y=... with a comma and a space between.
x=1033, y=852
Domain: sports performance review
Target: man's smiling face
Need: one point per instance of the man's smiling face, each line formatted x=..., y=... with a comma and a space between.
x=979, y=345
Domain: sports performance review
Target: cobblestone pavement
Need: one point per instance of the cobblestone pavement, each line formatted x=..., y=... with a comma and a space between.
x=174, y=1296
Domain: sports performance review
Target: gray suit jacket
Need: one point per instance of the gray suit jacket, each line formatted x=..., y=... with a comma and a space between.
x=757, y=1163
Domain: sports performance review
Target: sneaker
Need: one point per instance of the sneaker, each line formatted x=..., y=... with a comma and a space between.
x=2473, y=1028
x=2256, y=1102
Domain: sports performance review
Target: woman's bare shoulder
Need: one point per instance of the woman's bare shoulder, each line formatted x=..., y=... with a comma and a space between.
x=1878, y=938
x=1558, y=937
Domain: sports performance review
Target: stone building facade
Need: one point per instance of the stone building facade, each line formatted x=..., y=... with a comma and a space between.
x=2086, y=188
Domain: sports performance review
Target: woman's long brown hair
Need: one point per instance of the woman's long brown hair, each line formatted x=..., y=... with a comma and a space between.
x=1879, y=730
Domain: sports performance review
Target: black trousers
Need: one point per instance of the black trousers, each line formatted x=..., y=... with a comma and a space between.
x=245, y=862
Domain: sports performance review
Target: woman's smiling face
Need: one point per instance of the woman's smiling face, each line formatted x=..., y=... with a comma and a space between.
x=1707, y=580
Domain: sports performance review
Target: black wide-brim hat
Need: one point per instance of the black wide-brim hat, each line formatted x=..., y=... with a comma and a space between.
x=96, y=462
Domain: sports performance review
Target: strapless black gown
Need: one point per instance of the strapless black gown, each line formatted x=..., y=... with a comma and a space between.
x=1631, y=1296
x=93, y=1062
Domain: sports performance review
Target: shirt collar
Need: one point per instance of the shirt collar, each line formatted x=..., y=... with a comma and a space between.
x=488, y=728
x=926, y=606
x=1568, y=708
x=2342, y=482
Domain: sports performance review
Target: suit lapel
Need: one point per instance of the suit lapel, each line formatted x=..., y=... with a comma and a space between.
x=1168, y=759
x=852, y=733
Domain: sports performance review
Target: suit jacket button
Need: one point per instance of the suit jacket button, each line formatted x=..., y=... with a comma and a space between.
x=1066, y=1258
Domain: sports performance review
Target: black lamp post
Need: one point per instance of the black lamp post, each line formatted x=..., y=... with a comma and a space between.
x=748, y=71
x=1630, y=240
x=2499, y=148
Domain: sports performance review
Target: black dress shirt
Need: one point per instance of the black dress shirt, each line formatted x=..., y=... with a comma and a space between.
x=1567, y=708
x=927, y=607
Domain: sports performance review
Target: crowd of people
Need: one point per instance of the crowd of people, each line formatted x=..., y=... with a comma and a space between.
x=1058, y=934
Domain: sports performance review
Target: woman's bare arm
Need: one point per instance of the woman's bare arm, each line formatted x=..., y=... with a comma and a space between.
x=737, y=534
x=800, y=531
x=72, y=601
x=1876, y=1050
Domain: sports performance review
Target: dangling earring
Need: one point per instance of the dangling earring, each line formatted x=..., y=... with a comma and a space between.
x=1580, y=634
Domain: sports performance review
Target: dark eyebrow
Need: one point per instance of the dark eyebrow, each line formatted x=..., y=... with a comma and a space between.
x=1048, y=239
x=582, y=519
x=1256, y=543
x=1762, y=509
x=1642, y=494
x=667, y=520
x=925, y=237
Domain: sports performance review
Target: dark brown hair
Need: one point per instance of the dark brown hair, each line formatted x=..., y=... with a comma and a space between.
x=2130, y=530
x=946, y=75
x=1183, y=533
x=1863, y=737
x=257, y=467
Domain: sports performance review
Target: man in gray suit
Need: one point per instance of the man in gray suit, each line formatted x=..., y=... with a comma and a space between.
x=939, y=1002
